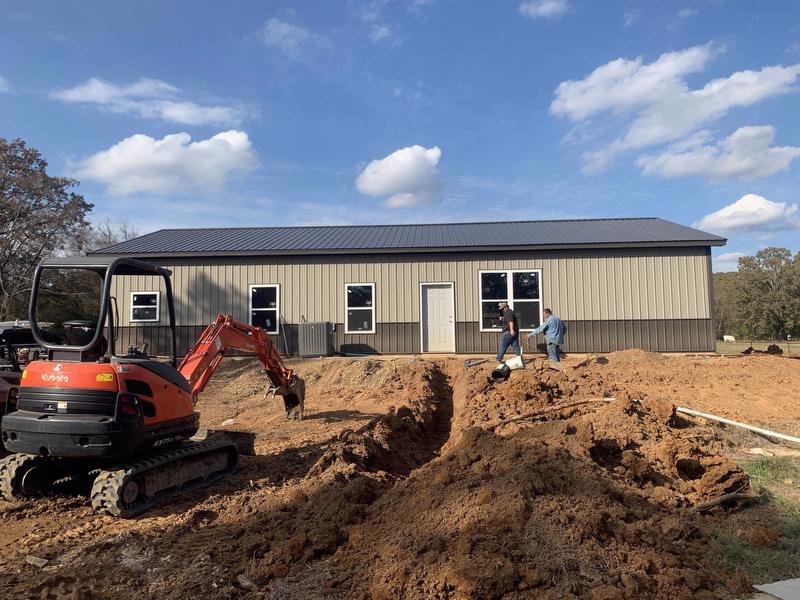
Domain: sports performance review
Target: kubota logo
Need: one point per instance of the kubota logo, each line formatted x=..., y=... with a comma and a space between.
x=58, y=367
x=50, y=378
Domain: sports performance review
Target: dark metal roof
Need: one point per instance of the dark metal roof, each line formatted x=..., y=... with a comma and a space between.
x=451, y=237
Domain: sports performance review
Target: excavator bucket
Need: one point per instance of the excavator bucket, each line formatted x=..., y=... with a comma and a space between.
x=294, y=399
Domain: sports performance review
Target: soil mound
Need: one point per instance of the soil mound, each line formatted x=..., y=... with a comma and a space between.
x=762, y=390
x=587, y=503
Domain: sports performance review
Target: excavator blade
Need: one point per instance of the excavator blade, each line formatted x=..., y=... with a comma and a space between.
x=243, y=440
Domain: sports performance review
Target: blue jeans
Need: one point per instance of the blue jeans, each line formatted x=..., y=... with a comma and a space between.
x=507, y=340
x=552, y=352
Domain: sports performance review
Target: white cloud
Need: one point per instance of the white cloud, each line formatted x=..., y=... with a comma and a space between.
x=380, y=33
x=677, y=115
x=752, y=213
x=55, y=36
x=417, y=6
x=654, y=104
x=407, y=176
x=621, y=85
x=544, y=9
x=380, y=26
x=686, y=13
x=172, y=164
x=292, y=40
x=3, y=84
x=371, y=11
x=793, y=48
x=727, y=261
x=631, y=17
x=745, y=154
x=152, y=99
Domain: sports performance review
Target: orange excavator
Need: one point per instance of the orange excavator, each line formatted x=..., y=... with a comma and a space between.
x=123, y=420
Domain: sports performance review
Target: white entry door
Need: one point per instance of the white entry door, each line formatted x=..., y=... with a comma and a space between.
x=438, y=319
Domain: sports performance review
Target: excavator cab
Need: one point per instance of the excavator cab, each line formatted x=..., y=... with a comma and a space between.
x=93, y=337
x=86, y=399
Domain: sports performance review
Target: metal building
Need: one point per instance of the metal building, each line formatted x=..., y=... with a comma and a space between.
x=618, y=283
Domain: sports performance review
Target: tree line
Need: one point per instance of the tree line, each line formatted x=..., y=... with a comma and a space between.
x=41, y=216
x=761, y=300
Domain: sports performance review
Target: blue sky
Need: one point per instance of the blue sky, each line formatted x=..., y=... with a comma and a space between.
x=270, y=113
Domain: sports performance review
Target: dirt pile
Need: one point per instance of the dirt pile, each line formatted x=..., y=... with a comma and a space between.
x=585, y=505
x=762, y=390
x=413, y=479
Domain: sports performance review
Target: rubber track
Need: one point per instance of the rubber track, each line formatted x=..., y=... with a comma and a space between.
x=107, y=487
x=9, y=472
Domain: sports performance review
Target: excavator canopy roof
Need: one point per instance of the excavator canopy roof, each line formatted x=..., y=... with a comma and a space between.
x=101, y=264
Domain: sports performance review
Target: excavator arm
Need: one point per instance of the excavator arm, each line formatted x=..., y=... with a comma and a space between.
x=225, y=333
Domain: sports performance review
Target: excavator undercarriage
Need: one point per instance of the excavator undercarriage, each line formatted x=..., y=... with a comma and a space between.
x=121, y=489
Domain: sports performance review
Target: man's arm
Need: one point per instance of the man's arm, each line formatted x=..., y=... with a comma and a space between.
x=538, y=330
x=512, y=326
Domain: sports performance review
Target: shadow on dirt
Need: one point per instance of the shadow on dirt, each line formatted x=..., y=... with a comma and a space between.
x=333, y=416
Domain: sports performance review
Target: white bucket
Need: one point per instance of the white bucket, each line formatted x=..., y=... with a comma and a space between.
x=515, y=363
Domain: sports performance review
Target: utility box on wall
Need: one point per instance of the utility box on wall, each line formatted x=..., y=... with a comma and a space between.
x=315, y=339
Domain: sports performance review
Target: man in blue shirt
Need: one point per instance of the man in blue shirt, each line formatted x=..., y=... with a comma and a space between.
x=554, y=330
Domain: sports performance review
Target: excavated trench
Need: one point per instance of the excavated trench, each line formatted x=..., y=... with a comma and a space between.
x=462, y=489
x=592, y=501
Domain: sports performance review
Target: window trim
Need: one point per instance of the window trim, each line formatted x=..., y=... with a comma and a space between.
x=277, y=308
x=158, y=307
x=510, y=274
x=373, y=308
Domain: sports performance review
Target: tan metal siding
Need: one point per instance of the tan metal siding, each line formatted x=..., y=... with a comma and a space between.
x=629, y=284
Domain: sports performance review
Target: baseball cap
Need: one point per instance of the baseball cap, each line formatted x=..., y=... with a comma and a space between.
x=502, y=304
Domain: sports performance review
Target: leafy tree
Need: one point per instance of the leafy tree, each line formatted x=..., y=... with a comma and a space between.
x=767, y=286
x=762, y=299
x=39, y=214
x=727, y=305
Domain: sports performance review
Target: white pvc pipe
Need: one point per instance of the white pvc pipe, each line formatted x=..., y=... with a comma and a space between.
x=759, y=430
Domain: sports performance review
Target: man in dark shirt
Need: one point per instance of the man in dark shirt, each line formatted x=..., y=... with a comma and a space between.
x=510, y=336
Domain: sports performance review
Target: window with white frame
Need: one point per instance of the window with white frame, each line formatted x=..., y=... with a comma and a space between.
x=145, y=307
x=265, y=307
x=359, y=308
x=520, y=288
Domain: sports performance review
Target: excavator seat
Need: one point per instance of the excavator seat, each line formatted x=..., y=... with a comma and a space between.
x=164, y=370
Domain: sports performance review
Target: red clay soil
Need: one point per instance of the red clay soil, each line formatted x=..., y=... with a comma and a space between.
x=414, y=479
x=760, y=389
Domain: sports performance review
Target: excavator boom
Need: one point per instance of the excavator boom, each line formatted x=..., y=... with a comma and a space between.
x=226, y=333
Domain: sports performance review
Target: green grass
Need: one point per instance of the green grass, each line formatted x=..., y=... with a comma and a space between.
x=779, y=479
x=740, y=344
x=764, y=565
x=770, y=471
